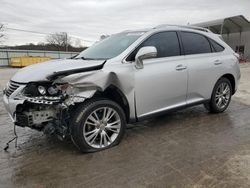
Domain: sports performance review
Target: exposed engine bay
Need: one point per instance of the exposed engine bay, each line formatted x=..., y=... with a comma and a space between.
x=45, y=108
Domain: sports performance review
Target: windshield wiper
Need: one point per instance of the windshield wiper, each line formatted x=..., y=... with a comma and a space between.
x=84, y=58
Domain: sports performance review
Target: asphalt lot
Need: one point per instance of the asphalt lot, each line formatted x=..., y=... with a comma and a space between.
x=189, y=148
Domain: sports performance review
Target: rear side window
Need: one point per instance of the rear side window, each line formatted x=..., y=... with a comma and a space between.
x=217, y=47
x=195, y=43
x=166, y=43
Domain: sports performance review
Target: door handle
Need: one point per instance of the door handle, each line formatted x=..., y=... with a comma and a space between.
x=217, y=62
x=180, y=67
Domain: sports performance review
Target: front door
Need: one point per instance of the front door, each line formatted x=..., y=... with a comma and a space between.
x=162, y=83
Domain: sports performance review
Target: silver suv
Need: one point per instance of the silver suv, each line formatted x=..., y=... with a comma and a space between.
x=125, y=78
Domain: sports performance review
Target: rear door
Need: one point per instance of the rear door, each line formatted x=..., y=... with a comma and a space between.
x=203, y=66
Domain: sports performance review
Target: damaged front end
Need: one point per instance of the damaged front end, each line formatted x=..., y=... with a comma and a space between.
x=46, y=105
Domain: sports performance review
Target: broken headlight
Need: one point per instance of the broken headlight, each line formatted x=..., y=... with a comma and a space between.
x=41, y=89
x=53, y=90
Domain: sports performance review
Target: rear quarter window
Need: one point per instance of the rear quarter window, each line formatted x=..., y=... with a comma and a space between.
x=216, y=47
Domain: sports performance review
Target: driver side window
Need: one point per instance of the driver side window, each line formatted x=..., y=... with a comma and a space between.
x=166, y=43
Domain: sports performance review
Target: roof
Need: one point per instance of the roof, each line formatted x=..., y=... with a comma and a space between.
x=169, y=27
x=183, y=26
x=228, y=25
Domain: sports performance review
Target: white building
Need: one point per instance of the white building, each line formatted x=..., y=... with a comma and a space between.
x=234, y=30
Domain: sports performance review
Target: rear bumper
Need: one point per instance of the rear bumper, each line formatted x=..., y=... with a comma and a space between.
x=237, y=81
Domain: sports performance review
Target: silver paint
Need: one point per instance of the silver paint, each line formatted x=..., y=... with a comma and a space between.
x=162, y=83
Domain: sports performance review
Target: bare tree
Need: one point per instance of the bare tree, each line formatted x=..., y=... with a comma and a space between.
x=1, y=31
x=78, y=43
x=60, y=40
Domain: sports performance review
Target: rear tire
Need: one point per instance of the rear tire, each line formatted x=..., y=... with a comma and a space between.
x=221, y=96
x=97, y=124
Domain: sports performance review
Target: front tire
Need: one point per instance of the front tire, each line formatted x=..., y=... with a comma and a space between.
x=221, y=96
x=98, y=124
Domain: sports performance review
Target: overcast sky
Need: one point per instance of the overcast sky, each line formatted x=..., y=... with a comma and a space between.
x=88, y=19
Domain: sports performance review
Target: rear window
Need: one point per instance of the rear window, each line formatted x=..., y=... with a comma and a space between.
x=195, y=43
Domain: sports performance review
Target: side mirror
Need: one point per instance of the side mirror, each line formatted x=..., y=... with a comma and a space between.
x=146, y=52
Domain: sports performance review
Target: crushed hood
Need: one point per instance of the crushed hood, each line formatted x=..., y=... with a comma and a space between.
x=46, y=70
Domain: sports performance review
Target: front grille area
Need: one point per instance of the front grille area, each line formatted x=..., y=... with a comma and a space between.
x=12, y=86
x=22, y=120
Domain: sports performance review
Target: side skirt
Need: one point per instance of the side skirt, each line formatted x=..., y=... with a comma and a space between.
x=170, y=110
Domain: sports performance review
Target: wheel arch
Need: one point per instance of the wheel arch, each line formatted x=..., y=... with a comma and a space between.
x=115, y=94
x=231, y=78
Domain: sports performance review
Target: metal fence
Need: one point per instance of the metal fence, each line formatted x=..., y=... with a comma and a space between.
x=6, y=55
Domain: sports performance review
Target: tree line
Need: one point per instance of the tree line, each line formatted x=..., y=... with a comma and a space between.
x=1, y=31
x=54, y=42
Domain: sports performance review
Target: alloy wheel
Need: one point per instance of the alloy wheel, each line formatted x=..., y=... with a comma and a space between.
x=222, y=95
x=102, y=127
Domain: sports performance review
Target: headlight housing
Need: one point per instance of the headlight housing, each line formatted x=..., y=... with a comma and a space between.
x=41, y=89
x=52, y=90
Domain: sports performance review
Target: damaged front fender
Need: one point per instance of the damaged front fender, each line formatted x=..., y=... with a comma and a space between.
x=86, y=84
x=78, y=87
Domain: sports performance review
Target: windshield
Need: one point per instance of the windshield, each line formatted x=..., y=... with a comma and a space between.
x=110, y=47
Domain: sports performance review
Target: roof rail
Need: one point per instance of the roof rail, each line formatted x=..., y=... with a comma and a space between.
x=184, y=26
